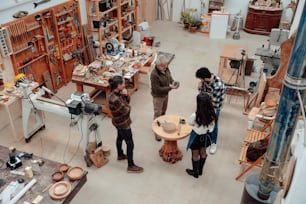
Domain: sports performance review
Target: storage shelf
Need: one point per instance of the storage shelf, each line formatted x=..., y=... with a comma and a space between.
x=126, y=15
x=65, y=21
x=123, y=3
x=127, y=28
x=33, y=28
x=32, y=61
x=63, y=13
x=107, y=11
x=117, y=28
x=21, y=50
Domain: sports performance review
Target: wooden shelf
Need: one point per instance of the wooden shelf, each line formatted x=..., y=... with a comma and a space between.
x=126, y=15
x=50, y=43
x=130, y=8
x=107, y=11
x=127, y=28
x=63, y=13
x=32, y=61
x=33, y=28
x=21, y=50
x=215, y=5
x=65, y=21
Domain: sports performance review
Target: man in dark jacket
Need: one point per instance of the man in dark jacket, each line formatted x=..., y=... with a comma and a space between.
x=120, y=108
x=161, y=83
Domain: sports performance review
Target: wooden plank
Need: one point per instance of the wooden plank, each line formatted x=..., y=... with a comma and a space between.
x=148, y=11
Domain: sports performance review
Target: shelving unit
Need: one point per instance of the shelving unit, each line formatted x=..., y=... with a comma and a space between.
x=45, y=45
x=29, y=54
x=117, y=19
x=215, y=5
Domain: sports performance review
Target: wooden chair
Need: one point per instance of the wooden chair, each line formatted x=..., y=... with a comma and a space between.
x=252, y=136
x=257, y=96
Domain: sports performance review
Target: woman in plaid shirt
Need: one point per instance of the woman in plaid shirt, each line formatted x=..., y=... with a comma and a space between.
x=214, y=86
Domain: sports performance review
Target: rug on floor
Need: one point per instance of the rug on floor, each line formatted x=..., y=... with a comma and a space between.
x=169, y=56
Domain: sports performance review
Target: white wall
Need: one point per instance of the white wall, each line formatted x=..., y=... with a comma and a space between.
x=297, y=16
x=231, y=6
x=296, y=193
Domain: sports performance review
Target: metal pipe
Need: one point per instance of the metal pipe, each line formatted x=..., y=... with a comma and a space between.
x=287, y=113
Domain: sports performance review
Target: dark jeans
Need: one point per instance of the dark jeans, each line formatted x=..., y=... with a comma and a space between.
x=214, y=134
x=126, y=135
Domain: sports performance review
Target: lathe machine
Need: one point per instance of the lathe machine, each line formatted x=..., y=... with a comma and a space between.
x=79, y=108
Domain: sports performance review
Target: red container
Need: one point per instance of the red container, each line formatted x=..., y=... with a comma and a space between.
x=150, y=41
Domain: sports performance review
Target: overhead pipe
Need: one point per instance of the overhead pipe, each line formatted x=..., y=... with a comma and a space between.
x=287, y=114
x=283, y=129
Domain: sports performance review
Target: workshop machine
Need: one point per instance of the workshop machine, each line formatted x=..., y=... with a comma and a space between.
x=78, y=108
x=270, y=56
x=112, y=47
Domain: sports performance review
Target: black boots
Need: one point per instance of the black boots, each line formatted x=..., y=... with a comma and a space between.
x=195, y=171
x=197, y=168
x=201, y=165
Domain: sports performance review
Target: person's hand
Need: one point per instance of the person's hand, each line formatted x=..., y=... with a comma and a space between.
x=174, y=85
x=200, y=84
x=124, y=92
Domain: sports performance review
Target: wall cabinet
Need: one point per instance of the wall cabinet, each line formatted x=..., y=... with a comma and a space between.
x=43, y=44
x=111, y=19
x=215, y=5
x=261, y=20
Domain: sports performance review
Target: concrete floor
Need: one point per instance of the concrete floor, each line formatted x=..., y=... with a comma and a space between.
x=161, y=182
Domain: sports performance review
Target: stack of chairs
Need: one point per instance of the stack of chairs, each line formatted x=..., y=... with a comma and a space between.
x=253, y=135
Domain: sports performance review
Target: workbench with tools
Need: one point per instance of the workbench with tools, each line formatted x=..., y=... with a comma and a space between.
x=32, y=180
x=97, y=73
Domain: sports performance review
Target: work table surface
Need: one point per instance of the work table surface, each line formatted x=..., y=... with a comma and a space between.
x=43, y=177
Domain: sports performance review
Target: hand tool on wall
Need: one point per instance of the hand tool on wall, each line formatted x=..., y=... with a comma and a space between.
x=40, y=2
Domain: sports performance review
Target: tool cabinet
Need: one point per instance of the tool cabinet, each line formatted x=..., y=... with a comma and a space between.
x=48, y=41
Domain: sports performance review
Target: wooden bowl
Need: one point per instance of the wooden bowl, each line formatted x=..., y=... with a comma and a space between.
x=60, y=190
x=75, y=173
x=57, y=176
x=63, y=167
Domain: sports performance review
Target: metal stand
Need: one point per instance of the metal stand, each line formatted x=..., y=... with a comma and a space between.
x=34, y=104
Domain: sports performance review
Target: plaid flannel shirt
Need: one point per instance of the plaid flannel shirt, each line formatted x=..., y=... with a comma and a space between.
x=120, y=108
x=216, y=90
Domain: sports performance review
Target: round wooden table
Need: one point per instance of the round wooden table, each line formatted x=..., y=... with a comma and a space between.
x=170, y=151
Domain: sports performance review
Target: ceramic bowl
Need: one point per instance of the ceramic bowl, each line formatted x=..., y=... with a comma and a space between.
x=169, y=127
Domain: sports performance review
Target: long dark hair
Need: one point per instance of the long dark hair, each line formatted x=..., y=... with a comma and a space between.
x=115, y=81
x=205, y=112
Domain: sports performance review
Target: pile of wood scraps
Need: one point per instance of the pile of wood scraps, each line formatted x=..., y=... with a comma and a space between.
x=80, y=70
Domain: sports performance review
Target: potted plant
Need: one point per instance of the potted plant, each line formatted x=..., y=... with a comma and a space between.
x=185, y=18
x=194, y=24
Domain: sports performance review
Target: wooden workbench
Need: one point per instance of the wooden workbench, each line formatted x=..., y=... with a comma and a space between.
x=227, y=74
x=99, y=87
x=43, y=178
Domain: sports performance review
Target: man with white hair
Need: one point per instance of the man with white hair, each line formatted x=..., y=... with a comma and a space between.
x=161, y=83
